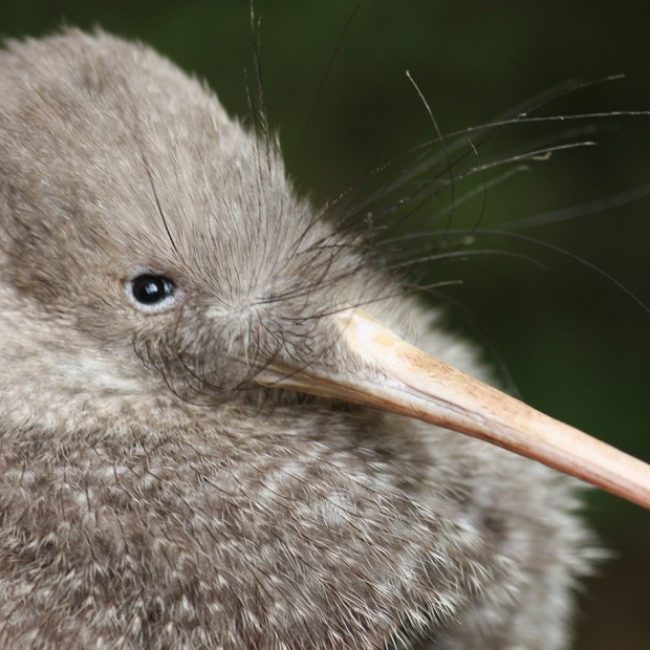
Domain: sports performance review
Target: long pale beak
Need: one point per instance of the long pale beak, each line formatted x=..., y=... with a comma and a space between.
x=397, y=377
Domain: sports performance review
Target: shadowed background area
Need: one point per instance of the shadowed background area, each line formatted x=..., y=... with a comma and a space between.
x=574, y=343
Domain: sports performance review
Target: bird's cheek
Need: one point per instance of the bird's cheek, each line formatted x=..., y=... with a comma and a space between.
x=92, y=373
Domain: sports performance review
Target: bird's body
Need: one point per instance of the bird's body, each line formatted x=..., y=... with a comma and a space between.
x=150, y=496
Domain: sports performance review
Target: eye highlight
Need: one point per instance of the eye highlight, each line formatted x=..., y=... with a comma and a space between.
x=152, y=292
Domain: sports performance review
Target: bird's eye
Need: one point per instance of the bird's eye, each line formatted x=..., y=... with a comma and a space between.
x=152, y=292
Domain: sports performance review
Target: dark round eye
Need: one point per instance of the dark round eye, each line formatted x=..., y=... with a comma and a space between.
x=151, y=290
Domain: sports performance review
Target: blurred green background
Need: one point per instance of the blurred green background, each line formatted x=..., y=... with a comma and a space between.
x=575, y=345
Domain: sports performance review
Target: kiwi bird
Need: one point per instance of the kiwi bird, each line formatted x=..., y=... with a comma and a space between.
x=205, y=440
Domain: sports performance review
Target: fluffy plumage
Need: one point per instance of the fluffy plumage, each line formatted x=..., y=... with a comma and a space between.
x=150, y=495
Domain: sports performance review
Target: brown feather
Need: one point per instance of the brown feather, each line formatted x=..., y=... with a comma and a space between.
x=150, y=495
